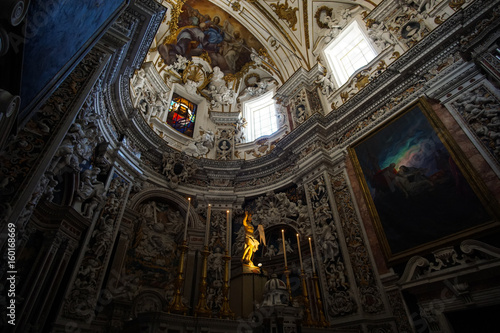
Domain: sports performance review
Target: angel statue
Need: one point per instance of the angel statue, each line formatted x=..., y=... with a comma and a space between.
x=251, y=243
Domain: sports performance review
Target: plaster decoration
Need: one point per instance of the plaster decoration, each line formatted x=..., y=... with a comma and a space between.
x=399, y=310
x=314, y=101
x=75, y=150
x=148, y=104
x=321, y=14
x=101, y=161
x=44, y=187
x=287, y=13
x=260, y=88
x=145, y=302
x=239, y=133
x=480, y=110
x=339, y=298
x=152, y=257
x=417, y=6
x=326, y=83
x=309, y=149
x=364, y=274
x=410, y=30
x=326, y=19
x=218, y=92
x=177, y=167
x=274, y=208
x=202, y=146
x=381, y=36
x=262, y=147
x=139, y=83
x=128, y=287
x=23, y=150
x=270, y=179
x=216, y=264
x=91, y=193
x=179, y=65
x=334, y=29
x=224, y=143
x=82, y=298
x=161, y=104
x=471, y=253
x=256, y=58
x=159, y=225
x=217, y=245
x=430, y=315
x=80, y=141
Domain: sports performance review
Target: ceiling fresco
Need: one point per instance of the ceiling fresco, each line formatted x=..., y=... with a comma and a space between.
x=206, y=29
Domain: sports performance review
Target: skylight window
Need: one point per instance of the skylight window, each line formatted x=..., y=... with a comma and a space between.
x=260, y=114
x=350, y=51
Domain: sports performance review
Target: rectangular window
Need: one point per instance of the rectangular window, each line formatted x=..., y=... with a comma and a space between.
x=260, y=114
x=347, y=53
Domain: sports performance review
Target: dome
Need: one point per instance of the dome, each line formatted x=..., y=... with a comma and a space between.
x=275, y=292
x=274, y=283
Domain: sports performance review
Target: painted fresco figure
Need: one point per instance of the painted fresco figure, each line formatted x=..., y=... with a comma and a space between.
x=190, y=41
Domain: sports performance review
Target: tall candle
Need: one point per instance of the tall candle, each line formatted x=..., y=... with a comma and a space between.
x=187, y=218
x=284, y=247
x=312, y=255
x=300, y=254
x=207, y=230
x=227, y=232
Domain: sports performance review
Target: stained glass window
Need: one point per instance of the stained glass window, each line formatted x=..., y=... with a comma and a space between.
x=182, y=115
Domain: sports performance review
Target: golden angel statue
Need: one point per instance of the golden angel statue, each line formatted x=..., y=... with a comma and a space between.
x=251, y=243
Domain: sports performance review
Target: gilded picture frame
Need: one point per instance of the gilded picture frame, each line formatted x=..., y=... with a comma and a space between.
x=421, y=190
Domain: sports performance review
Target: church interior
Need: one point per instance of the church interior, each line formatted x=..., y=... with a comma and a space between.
x=271, y=166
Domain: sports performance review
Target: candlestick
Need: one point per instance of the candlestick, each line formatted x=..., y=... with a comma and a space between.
x=207, y=230
x=300, y=253
x=227, y=231
x=312, y=255
x=177, y=305
x=187, y=218
x=284, y=248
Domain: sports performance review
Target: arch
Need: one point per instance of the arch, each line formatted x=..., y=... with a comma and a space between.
x=170, y=196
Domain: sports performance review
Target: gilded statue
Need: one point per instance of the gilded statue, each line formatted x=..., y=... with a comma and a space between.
x=251, y=243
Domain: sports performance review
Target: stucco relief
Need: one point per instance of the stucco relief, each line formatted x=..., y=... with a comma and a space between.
x=82, y=298
x=339, y=296
x=364, y=274
x=480, y=110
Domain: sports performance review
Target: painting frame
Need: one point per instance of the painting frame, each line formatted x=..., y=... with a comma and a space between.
x=399, y=220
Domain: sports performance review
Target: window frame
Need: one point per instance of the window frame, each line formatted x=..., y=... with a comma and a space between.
x=333, y=60
x=249, y=109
